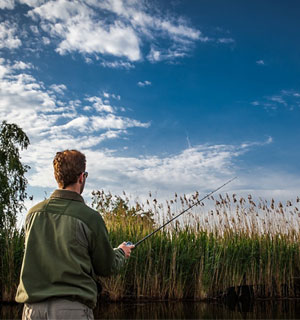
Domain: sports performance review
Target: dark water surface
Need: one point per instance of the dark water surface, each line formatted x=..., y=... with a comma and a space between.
x=274, y=309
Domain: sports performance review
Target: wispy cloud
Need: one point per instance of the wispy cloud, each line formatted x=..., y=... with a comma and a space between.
x=289, y=99
x=116, y=32
x=80, y=29
x=169, y=54
x=144, y=83
x=260, y=143
x=226, y=40
x=260, y=62
x=202, y=168
x=114, y=29
x=117, y=65
x=51, y=120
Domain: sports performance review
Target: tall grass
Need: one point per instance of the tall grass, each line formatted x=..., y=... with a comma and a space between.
x=236, y=242
x=228, y=242
x=11, y=253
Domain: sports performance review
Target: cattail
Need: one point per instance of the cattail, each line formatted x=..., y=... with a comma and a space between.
x=272, y=204
x=234, y=198
x=252, y=203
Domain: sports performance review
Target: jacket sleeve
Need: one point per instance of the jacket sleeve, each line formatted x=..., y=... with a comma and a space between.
x=105, y=259
x=119, y=260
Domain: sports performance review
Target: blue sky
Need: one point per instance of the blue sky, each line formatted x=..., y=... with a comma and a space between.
x=167, y=96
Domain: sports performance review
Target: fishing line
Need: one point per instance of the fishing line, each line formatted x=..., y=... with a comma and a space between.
x=190, y=207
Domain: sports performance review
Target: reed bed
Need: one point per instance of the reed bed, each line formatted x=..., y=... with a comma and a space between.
x=226, y=242
x=235, y=243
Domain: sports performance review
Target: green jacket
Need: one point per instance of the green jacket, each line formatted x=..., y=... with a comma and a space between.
x=66, y=245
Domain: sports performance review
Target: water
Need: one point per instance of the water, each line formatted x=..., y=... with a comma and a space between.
x=274, y=309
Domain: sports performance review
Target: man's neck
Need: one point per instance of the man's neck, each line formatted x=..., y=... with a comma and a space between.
x=74, y=187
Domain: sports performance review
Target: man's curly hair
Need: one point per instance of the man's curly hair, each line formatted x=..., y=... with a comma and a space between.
x=68, y=165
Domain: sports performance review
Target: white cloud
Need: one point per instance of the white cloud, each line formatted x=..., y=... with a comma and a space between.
x=80, y=30
x=8, y=38
x=90, y=37
x=33, y=3
x=46, y=40
x=113, y=27
x=99, y=105
x=251, y=144
x=289, y=99
x=202, y=168
x=20, y=65
x=7, y=4
x=144, y=83
x=50, y=123
x=154, y=55
x=226, y=40
x=117, y=65
x=112, y=121
x=34, y=29
x=170, y=54
x=59, y=88
x=111, y=95
x=260, y=62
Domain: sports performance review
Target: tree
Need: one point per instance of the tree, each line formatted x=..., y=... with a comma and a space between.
x=12, y=173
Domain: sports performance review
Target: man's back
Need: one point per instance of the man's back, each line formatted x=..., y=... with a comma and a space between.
x=66, y=245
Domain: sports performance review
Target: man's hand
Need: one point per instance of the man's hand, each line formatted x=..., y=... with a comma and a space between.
x=127, y=249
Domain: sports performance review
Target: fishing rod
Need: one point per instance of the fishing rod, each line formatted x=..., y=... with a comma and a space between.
x=190, y=207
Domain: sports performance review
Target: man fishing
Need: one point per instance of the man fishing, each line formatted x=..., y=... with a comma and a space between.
x=66, y=247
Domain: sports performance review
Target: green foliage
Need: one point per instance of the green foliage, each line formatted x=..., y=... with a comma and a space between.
x=12, y=195
x=12, y=180
x=115, y=209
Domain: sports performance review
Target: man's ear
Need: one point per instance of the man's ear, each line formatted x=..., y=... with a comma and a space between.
x=81, y=178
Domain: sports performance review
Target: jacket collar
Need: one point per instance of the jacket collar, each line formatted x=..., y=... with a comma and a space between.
x=67, y=194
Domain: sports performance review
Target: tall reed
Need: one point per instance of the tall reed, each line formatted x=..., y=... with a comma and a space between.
x=11, y=251
x=237, y=242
